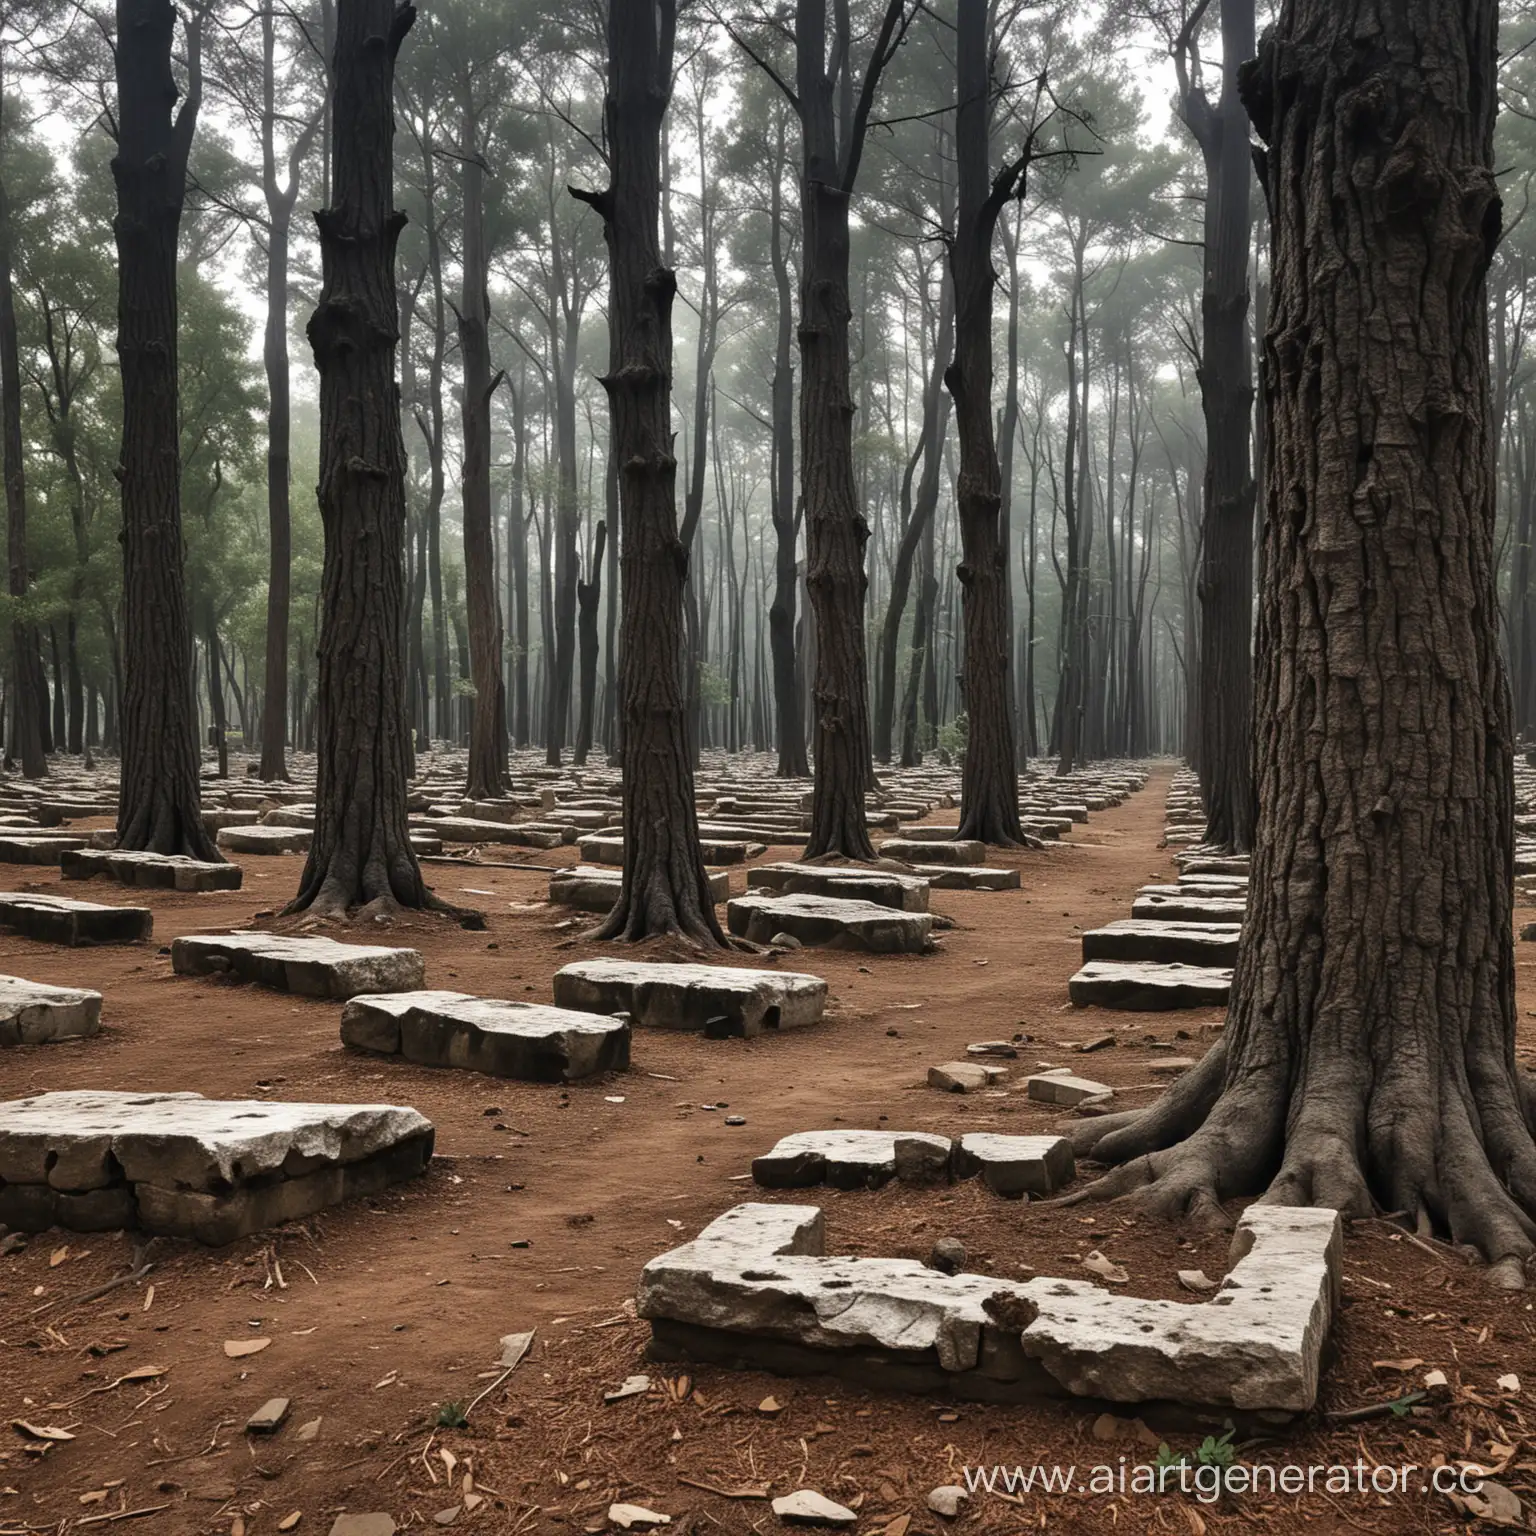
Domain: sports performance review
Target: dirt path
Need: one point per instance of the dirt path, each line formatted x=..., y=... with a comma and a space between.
x=392, y=1308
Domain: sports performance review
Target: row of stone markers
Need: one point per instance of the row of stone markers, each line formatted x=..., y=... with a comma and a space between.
x=1179, y=945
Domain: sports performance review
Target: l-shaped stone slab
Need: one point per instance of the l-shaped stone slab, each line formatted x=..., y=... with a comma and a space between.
x=756, y=1289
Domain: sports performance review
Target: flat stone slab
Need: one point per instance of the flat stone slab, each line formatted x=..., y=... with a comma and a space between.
x=1063, y=1088
x=843, y=1159
x=150, y=871
x=965, y=1076
x=886, y=888
x=968, y=877
x=715, y=999
x=968, y=852
x=610, y=850
x=1145, y=987
x=1221, y=911
x=265, y=839
x=595, y=888
x=60, y=920
x=829, y=922
x=756, y=1290
x=468, y=829
x=532, y=1042
x=186, y=1166
x=1213, y=863
x=1015, y=1166
x=309, y=966
x=40, y=849
x=1166, y=943
x=33, y=1013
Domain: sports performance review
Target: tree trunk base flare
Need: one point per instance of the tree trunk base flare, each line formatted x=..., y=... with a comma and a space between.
x=1466, y=1169
x=1368, y=1062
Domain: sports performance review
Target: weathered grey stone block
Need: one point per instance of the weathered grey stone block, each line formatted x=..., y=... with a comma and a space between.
x=886, y=888
x=532, y=1042
x=843, y=1159
x=1145, y=988
x=1144, y=939
x=151, y=871
x=265, y=839
x=32, y=1013
x=829, y=922
x=691, y=997
x=968, y=852
x=968, y=877
x=1015, y=1165
x=59, y=920
x=311, y=967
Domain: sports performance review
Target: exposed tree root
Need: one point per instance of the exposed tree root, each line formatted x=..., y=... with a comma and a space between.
x=1456, y=1157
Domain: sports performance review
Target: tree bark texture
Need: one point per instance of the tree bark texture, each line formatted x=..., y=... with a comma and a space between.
x=665, y=886
x=1368, y=1060
x=488, y=723
x=1226, y=394
x=989, y=783
x=27, y=738
x=589, y=596
x=158, y=805
x=361, y=854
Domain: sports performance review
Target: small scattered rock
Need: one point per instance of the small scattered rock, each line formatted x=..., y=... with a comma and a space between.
x=947, y=1500
x=636, y=1517
x=364, y=1525
x=1196, y=1280
x=1098, y=1043
x=785, y=941
x=268, y=1419
x=1509, y=1383
x=807, y=1507
x=632, y=1386
x=1002, y=1048
x=735, y=1119
x=307, y=1431
x=1106, y=1269
x=770, y=1406
x=948, y=1256
x=13, y=1242
x=964, y=1076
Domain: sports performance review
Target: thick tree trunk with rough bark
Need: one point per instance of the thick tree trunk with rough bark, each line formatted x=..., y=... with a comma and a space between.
x=27, y=736
x=589, y=595
x=788, y=719
x=1226, y=394
x=158, y=806
x=989, y=793
x=1368, y=1059
x=665, y=885
x=488, y=723
x=361, y=855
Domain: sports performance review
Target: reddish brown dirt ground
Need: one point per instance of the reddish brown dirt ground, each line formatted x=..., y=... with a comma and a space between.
x=382, y=1312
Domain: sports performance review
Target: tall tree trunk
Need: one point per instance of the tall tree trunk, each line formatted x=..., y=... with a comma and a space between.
x=922, y=510
x=790, y=728
x=835, y=529
x=26, y=666
x=665, y=885
x=1226, y=393
x=589, y=597
x=989, y=793
x=1368, y=1059
x=488, y=723
x=158, y=805
x=280, y=202
x=361, y=856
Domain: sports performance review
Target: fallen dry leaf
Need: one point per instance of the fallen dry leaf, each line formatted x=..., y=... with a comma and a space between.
x=237, y=1349
x=1396, y=1365
x=58, y=1256
x=290, y=1522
